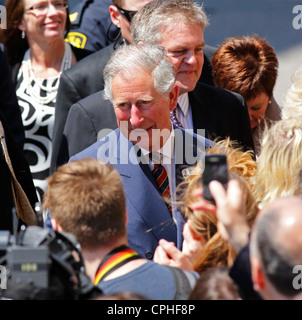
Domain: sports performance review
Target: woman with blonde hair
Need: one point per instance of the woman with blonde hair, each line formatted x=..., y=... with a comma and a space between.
x=204, y=226
x=206, y=244
x=292, y=107
x=239, y=161
x=279, y=162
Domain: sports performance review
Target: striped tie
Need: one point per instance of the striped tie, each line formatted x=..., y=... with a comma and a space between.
x=173, y=117
x=161, y=177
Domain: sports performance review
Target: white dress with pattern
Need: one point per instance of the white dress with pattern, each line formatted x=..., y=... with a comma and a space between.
x=38, y=120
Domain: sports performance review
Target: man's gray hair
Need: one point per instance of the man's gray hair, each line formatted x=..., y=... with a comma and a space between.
x=129, y=60
x=150, y=21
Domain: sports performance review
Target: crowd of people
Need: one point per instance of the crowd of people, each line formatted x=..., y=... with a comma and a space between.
x=109, y=130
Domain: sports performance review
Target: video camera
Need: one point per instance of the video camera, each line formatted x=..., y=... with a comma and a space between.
x=48, y=263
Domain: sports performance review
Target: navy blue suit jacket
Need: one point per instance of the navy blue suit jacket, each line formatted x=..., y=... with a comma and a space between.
x=148, y=217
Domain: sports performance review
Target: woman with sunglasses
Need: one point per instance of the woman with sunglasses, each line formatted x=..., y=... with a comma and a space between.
x=38, y=54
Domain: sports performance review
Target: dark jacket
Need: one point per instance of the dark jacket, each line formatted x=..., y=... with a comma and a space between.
x=8, y=100
x=221, y=113
x=91, y=26
x=241, y=273
x=76, y=83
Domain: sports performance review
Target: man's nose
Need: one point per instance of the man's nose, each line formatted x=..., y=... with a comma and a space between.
x=190, y=57
x=136, y=117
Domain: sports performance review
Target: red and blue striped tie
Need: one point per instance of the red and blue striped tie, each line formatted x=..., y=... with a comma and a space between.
x=161, y=177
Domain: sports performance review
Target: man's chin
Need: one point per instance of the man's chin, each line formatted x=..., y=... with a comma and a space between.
x=184, y=88
x=147, y=144
x=150, y=139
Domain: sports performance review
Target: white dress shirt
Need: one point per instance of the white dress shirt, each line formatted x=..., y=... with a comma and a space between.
x=184, y=113
x=168, y=161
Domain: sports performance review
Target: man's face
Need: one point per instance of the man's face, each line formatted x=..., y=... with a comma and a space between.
x=184, y=45
x=120, y=19
x=140, y=109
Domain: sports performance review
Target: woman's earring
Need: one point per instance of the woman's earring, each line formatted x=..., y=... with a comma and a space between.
x=23, y=34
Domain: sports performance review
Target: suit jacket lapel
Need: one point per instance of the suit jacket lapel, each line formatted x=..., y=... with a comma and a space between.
x=142, y=191
x=193, y=151
x=199, y=103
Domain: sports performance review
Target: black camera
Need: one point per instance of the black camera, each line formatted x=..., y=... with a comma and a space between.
x=47, y=262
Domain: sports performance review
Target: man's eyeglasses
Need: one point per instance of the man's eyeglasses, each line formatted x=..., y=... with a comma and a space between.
x=128, y=14
x=41, y=8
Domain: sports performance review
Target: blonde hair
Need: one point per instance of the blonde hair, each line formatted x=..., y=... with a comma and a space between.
x=239, y=161
x=293, y=100
x=217, y=251
x=279, y=161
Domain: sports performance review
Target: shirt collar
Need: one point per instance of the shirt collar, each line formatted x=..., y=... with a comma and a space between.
x=183, y=102
x=167, y=149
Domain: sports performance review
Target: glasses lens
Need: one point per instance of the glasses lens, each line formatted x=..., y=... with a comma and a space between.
x=59, y=5
x=42, y=7
x=131, y=14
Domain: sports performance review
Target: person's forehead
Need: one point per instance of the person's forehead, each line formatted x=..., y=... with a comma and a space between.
x=133, y=82
x=180, y=25
x=32, y=2
x=182, y=31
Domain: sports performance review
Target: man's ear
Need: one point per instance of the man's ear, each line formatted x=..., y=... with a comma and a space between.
x=257, y=274
x=260, y=279
x=173, y=96
x=115, y=15
x=21, y=25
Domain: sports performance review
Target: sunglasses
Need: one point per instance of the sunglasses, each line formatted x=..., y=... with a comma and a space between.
x=128, y=14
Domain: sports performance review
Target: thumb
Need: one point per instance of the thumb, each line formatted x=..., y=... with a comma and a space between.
x=217, y=190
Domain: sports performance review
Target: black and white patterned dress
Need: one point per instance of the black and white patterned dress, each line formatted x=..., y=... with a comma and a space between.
x=38, y=120
x=37, y=99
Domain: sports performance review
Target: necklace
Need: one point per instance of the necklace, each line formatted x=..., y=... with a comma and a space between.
x=30, y=79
